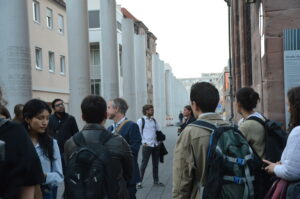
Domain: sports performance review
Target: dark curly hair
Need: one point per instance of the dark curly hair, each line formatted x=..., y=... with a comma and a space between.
x=294, y=103
x=247, y=98
x=31, y=109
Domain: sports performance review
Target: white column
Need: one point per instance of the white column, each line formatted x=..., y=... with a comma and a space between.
x=15, y=65
x=155, y=74
x=78, y=44
x=109, y=50
x=141, y=71
x=128, y=63
x=162, y=92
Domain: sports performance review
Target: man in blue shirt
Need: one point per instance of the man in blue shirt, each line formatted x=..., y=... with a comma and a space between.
x=116, y=110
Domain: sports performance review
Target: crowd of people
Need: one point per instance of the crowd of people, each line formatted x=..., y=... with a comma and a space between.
x=39, y=149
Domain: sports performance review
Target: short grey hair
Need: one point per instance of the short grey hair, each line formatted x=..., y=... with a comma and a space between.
x=121, y=104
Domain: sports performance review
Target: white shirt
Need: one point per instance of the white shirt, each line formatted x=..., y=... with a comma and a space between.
x=149, y=132
x=290, y=163
x=116, y=125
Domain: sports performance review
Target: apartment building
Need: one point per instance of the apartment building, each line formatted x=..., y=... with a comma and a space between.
x=49, y=49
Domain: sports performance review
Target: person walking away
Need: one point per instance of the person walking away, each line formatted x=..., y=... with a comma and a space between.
x=98, y=163
x=20, y=168
x=148, y=127
x=36, y=116
x=189, y=118
x=129, y=130
x=61, y=125
x=180, y=116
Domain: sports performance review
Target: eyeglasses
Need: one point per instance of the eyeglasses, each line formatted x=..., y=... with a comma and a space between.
x=58, y=105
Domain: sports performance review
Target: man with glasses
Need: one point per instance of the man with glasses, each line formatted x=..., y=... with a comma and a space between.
x=61, y=125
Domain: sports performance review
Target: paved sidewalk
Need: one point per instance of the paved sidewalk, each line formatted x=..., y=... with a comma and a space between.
x=149, y=191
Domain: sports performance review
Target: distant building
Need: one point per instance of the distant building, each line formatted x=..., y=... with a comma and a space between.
x=223, y=86
x=49, y=49
x=205, y=77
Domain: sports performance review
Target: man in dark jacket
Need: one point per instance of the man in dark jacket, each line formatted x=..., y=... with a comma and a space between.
x=61, y=125
x=94, y=114
x=129, y=130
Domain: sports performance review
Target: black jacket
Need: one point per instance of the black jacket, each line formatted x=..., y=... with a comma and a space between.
x=121, y=154
x=62, y=129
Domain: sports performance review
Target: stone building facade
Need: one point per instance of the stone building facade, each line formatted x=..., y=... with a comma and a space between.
x=257, y=49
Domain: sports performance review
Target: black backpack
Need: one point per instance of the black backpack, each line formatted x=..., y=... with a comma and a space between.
x=88, y=170
x=233, y=169
x=275, y=138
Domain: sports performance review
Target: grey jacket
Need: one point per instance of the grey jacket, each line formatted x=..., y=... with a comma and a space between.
x=122, y=157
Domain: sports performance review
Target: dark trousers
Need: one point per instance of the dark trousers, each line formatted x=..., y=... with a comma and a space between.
x=131, y=190
x=147, y=151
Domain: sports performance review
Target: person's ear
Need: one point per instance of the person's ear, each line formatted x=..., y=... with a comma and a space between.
x=27, y=120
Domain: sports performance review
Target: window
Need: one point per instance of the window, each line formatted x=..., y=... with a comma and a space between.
x=49, y=18
x=38, y=58
x=119, y=26
x=51, y=61
x=60, y=24
x=36, y=11
x=95, y=86
x=120, y=58
x=62, y=64
x=94, y=19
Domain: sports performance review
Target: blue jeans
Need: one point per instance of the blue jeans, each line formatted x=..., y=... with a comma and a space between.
x=49, y=192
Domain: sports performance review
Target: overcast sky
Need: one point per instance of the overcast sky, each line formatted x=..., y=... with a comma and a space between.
x=192, y=35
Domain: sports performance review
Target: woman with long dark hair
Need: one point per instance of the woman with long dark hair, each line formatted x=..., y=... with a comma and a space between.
x=188, y=118
x=246, y=102
x=289, y=166
x=36, y=117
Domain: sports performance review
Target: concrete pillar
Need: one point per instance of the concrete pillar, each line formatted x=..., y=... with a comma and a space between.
x=109, y=50
x=128, y=63
x=168, y=91
x=141, y=71
x=15, y=65
x=78, y=44
x=163, y=92
x=156, y=93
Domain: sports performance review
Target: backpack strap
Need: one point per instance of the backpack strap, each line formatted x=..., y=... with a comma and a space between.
x=120, y=126
x=143, y=124
x=203, y=124
x=257, y=119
